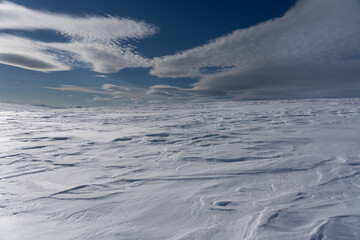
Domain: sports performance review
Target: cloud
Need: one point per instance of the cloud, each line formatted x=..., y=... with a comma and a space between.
x=171, y=91
x=97, y=98
x=28, y=54
x=315, y=45
x=29, y=62
x=97, y=42
x=101, y=76
x=115, y=93
x=115, y=88
x=72, y=88
x=101, y=57
x=109, y=89
x=88, y=28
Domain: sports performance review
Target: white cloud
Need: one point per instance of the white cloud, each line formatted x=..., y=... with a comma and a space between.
x=97, y=42
x=316, y=44
x=97, y=98
x=101, y=76
x=112, y=92
x=72, y=88
x=109, y=89
x=115, y=88
x=102, y=58
x=88, y=28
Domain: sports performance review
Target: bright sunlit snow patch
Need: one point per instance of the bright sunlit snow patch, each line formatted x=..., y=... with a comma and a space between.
x=228, y=170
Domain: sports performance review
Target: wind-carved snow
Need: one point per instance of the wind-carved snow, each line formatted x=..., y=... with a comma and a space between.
x=227, y=170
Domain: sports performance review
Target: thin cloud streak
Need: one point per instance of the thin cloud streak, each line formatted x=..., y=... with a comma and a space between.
x=72, y=88
x=115, y=91
x=115, y=88
x=171, y=91
x=98, y=98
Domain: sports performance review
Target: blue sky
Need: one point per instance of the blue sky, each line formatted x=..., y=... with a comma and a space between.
x=68, y=53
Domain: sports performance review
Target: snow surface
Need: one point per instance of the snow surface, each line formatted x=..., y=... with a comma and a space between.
x=226, y=170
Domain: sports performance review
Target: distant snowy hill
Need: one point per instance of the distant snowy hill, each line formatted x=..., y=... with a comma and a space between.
x=226, y=170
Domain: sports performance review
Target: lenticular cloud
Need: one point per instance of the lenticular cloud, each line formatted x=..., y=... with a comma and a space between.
x=315, y=45
x=94, y=41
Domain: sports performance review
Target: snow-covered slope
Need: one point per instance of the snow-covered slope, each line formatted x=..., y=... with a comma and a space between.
x=227, y=170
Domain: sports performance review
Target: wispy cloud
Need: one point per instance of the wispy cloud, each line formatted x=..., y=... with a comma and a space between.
x=108, y=89
x=316, y=44
x=89, y=28
x=98, y=98
x=115, y=89
x=94, y=41
x=101, y=76
x=171, y=91
x=72, y=88
x=115, y=93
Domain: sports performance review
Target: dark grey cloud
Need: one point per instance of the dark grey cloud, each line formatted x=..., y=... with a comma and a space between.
x=283, y=76
x=24, y=61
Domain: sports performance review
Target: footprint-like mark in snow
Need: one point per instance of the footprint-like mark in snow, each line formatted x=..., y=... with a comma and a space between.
x=222, y=203
x=124, y=139
x=158, y=135
x=59, y=138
